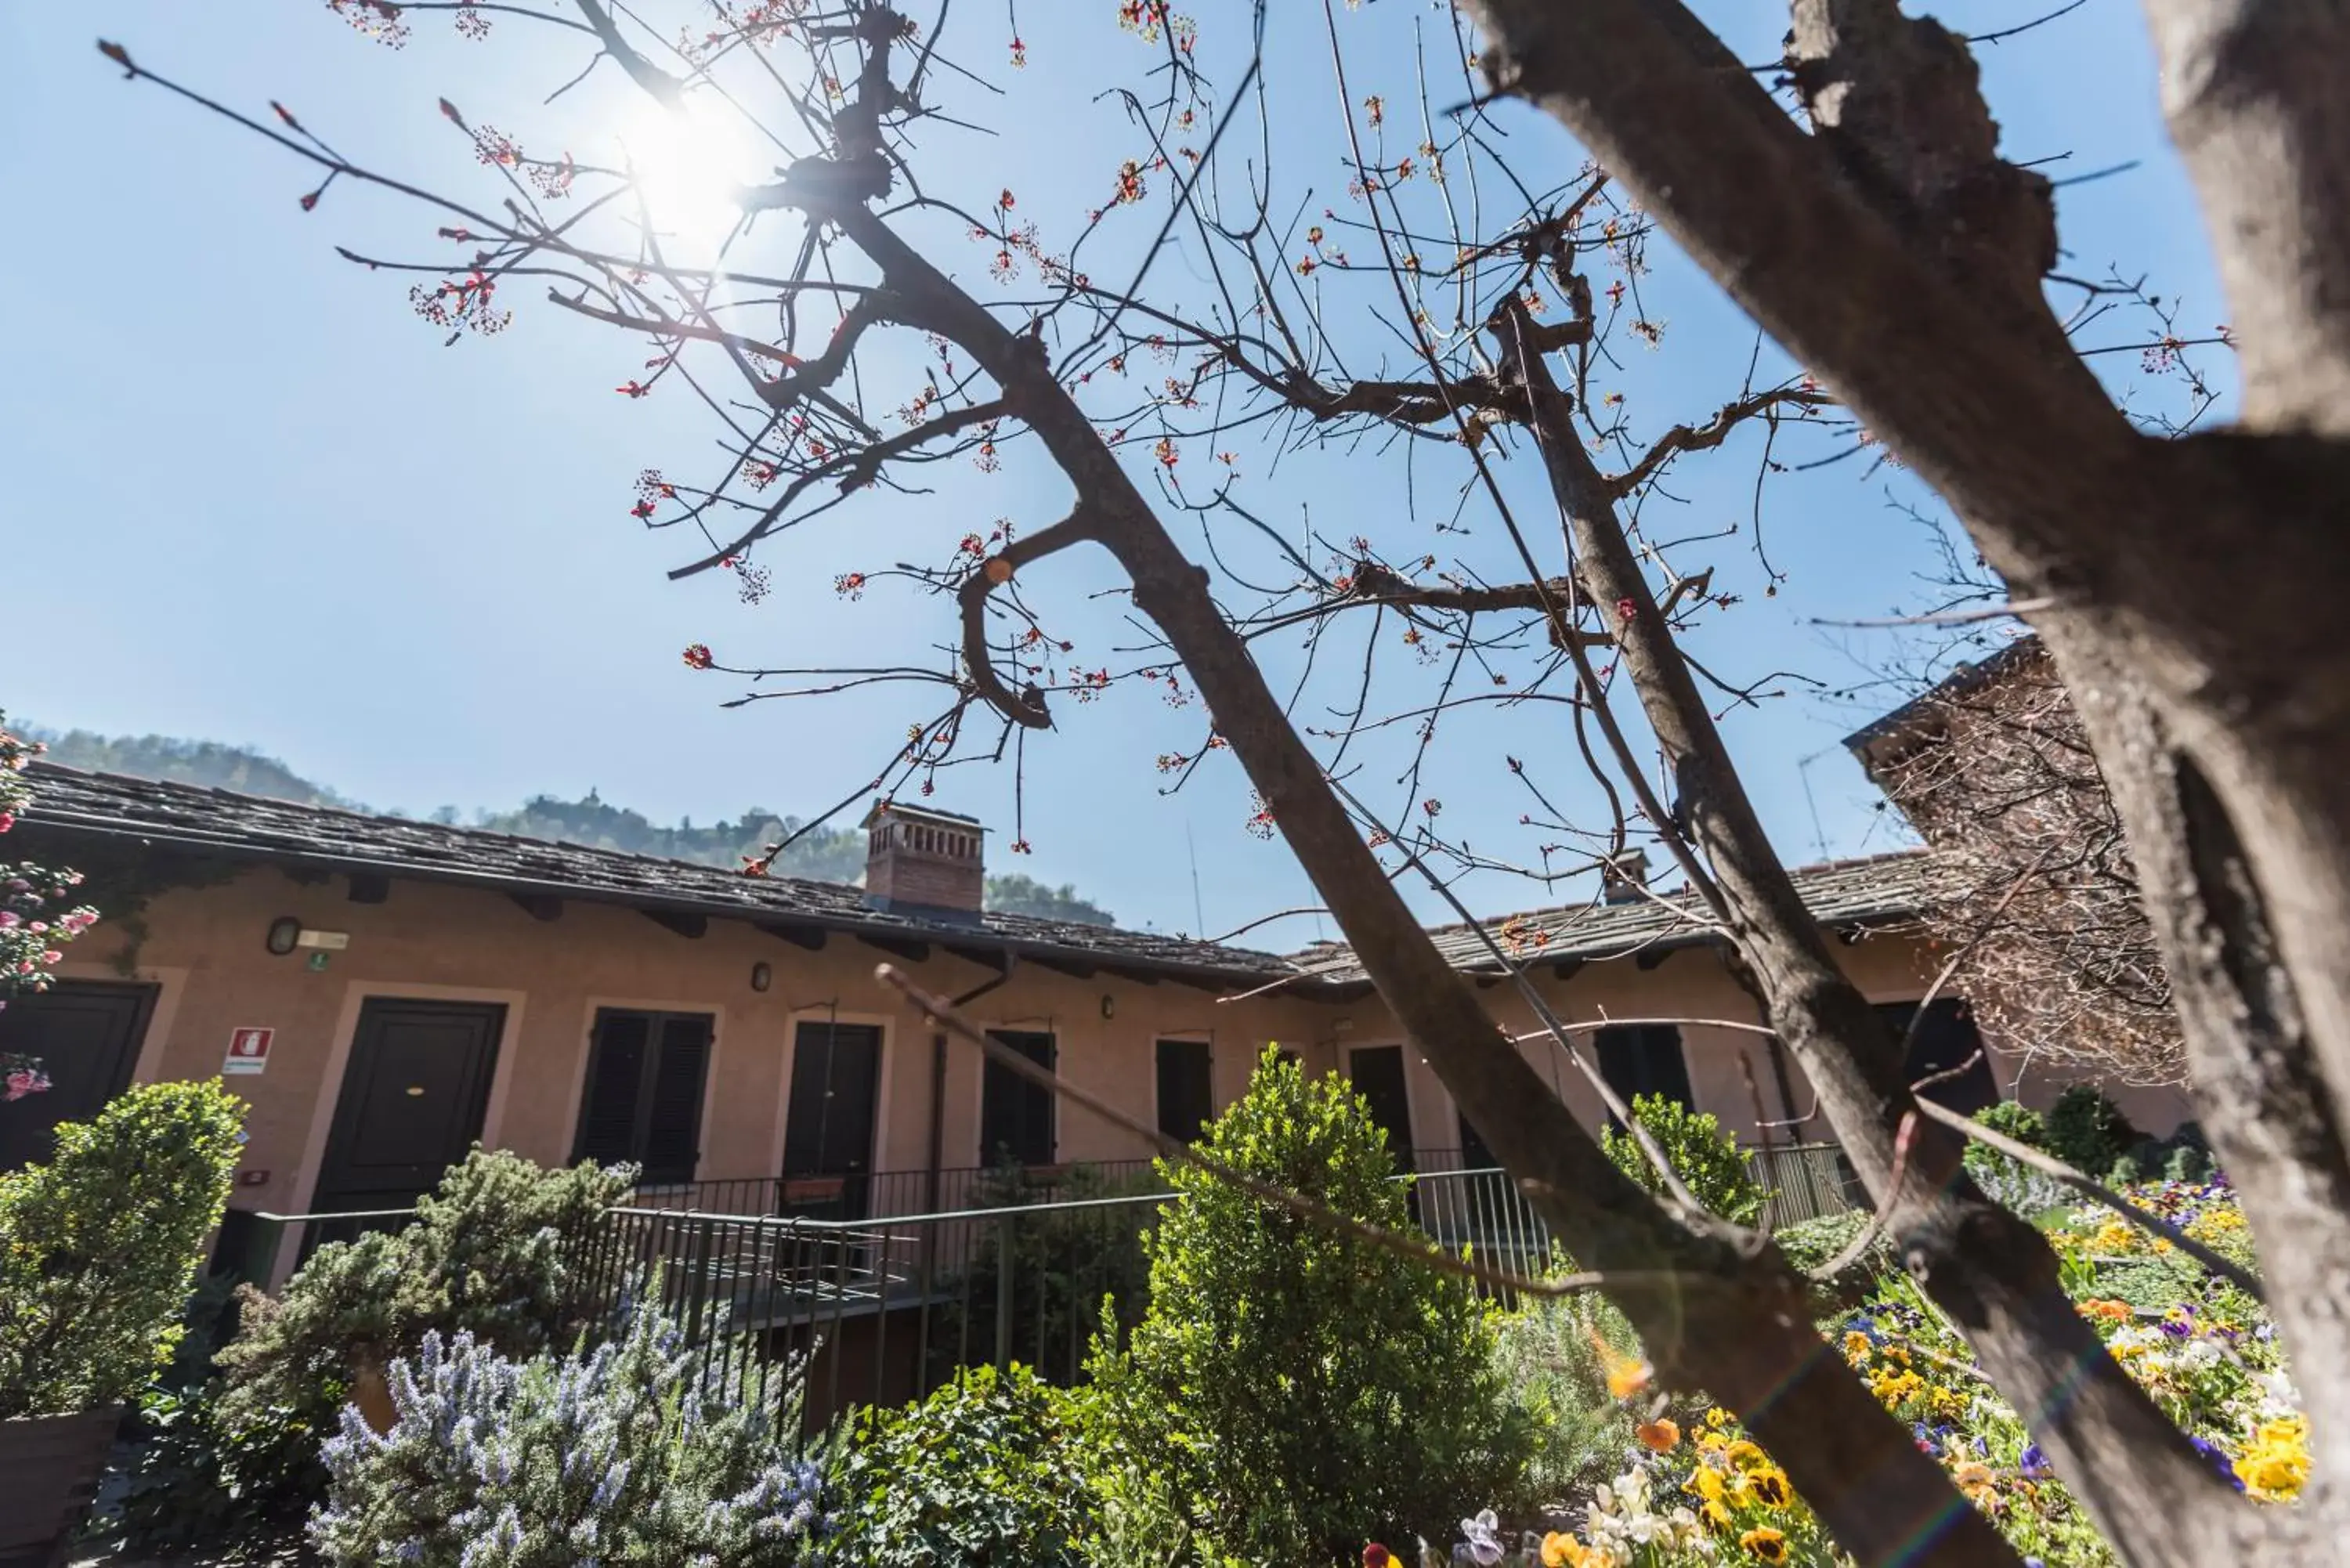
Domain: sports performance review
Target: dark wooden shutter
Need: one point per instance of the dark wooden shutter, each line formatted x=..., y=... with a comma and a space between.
x=1186, y=1092
x=642, y=1102
x=1016, y=1116
x=616, y=1075
x=828, y=1128
x=672, y=1143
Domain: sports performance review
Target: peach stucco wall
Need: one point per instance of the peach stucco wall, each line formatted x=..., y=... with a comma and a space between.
x=1691, y=987
x=205, y=951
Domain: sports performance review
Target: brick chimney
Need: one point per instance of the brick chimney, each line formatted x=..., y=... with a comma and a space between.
x=923, y=862
x=1621, y=881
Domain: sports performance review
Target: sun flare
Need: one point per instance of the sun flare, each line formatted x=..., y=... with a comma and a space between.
x=691, y=165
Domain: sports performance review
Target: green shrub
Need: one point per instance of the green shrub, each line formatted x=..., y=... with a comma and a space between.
x=2087, y=1131
x=485, y=1257
x=985, y=1470
x=1707, y=1159
x=1548, y=1353
x=2186, y=1156
x=2018, y=1121
x=1813, y=1244
x=198, y=1477
x=1300, y=1392
x=619, y=1454
x=1063, y=1262
x=240, y=1453
x=99, y=1247
x=2182, y=1156
x=2009, y=1182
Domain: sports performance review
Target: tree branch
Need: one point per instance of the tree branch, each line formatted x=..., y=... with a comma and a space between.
x=1712, y=433
x=1027, y=707
x=1993, y=1272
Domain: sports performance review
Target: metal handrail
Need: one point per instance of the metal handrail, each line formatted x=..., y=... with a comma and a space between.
x=881, y=1309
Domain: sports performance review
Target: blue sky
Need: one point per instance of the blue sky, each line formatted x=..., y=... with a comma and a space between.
x=255, y=499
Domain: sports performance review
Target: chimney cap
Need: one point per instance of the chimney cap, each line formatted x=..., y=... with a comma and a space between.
x=1621, y=879
x=930, y=815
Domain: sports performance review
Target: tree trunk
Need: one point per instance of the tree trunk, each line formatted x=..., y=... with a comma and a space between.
x=2208, y=568
x=1991, y=1271
x=1739, y=1327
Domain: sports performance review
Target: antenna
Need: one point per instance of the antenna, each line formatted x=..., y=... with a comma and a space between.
x=1198, y=910
x=1803, y=772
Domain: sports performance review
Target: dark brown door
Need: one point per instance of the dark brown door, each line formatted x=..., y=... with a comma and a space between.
x=412, y=1102
x=1377, y=1072
x=1186, y=1095
x=86, y=1035
x=828, y=1126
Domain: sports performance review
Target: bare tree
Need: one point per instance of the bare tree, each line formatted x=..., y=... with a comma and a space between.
x=2038, y=890
x=1891, y=251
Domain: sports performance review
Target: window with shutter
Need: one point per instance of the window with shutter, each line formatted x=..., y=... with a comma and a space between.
x=1645, y=1059
x=1186, y=1098
x=642, y=1102
x=616, y=1067
x=673, y=1102
x=1016, y=1116
x=1947, y=1042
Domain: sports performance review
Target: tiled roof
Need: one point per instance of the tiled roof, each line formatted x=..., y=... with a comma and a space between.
x=1839, y=893
x=1882, y=739
x=68, y=800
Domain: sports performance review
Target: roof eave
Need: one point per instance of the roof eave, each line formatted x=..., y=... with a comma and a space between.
x=717, y=909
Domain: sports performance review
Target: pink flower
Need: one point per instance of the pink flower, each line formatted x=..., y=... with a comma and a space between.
x=10, y=919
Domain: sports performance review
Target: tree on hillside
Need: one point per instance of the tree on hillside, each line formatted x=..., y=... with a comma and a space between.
x=1015, y=894
x=1467, y=316
x=208, y=764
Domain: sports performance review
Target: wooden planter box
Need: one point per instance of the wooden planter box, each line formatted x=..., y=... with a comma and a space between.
x=49, y=1470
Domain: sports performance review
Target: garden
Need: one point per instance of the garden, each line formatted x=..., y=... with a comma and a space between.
x=456, y=1392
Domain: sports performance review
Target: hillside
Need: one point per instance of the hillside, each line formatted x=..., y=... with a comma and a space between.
x=825, y=854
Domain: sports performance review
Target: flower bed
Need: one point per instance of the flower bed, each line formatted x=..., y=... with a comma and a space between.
x=1697, y=1491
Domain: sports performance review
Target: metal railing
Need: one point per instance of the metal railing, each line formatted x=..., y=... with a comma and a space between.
x=866, y=1195
x=881, y=1310
x=1805, y=1181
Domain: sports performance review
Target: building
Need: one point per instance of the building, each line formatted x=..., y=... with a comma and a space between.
x=384, y=992
x=1993, y=767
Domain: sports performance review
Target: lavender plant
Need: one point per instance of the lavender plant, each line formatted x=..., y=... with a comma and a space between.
x=619, y=1454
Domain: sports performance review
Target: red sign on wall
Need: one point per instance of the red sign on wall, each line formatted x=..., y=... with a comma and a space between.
x=248, y=1050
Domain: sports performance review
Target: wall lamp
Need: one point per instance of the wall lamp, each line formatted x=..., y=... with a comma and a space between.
x=763, y=975
x=283, y=932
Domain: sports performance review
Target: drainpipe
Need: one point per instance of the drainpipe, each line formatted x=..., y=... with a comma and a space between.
x=938, y=1078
